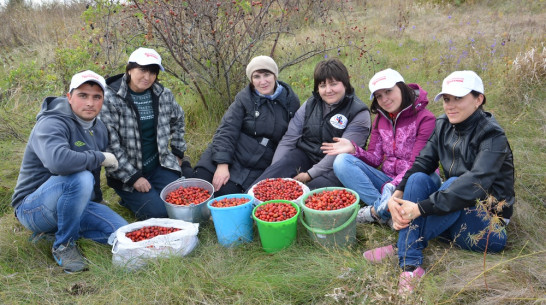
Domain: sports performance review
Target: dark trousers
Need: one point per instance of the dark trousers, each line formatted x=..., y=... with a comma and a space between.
x=202, y=173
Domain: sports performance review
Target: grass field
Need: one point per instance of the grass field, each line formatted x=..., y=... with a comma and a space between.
x=503, y=41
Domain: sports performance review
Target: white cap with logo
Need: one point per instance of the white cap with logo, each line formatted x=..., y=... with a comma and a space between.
x=145, y=56
x=461, y=83
x=86, y=76
x=383, y=80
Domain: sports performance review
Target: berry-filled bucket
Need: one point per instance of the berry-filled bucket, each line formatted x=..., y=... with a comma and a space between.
x=232, y=220
x=334, y=227
x=278, y=189
x=193, y=212
x=276, y=235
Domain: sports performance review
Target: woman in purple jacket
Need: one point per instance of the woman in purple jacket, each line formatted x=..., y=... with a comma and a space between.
x=399, y=132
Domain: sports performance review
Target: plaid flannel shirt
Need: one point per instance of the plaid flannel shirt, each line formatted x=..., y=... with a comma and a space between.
x=119, y=114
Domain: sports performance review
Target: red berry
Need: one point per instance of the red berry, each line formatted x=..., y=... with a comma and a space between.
x=330, y=200
x=275, y=211
x=277, y=188
x=149, y=232
x=187, y=195
x=229, y=202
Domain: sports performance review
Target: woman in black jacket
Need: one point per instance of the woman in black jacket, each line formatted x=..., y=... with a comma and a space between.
x=244, y=143
x=478, y=165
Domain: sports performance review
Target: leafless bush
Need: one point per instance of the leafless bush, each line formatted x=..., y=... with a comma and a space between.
x=209, y=43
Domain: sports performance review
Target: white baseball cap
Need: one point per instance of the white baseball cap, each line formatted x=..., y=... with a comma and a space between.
x=86, y=76
x=461, y=83
x=383, y=80
x=145, y=56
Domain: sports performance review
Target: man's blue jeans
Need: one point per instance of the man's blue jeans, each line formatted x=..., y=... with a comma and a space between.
x=149, y=204
x=62, y=206
x=469, y=228
x=365, y=180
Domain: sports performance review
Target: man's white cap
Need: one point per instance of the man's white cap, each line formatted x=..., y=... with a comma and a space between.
x=383, y=80
x=86, y=76
x=145, y=56
x=461, y=83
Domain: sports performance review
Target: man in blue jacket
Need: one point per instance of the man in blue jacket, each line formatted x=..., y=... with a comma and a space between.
x=58, y=188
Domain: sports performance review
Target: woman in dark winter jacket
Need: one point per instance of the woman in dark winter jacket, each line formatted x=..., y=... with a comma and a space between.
x=246, y=139
x=478, y=166
x=146, y=134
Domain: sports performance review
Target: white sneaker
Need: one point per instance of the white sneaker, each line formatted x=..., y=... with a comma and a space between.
x=365, y=215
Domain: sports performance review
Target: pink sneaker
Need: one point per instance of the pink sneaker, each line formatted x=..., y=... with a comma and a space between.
x=409, y=280
x=378, y=254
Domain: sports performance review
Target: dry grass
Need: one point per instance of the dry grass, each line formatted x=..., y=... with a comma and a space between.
x=306, y=274
x=39, y=27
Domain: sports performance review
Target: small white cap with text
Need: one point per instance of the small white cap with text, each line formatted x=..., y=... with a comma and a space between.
x=146, y=56
x=86, y=76
x=461, y=83
x=383, y=80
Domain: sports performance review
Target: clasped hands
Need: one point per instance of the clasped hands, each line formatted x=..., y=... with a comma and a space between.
x=402, y=211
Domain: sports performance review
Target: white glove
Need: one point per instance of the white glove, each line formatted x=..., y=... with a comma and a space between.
x=110, y=161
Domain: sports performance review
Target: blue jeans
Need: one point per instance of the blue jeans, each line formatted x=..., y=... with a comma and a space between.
x=468, y=228
x=62, y=206
x=149, y=204
x=365, y=180
x=360, y=177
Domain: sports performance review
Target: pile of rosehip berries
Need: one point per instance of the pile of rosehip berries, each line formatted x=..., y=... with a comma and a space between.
x=277, y=188
x=275, y=211
x=149, y=232
x=187, y=195
x=229, y=202
x=330, y=200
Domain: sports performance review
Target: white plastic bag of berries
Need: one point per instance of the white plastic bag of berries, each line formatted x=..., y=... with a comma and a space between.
x=278, y=188
x=136, y=243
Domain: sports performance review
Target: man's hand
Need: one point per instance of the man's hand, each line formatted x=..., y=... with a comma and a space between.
x=110, y=161
x=221, y=176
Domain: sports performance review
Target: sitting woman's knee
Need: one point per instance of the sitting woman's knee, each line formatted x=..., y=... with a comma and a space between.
x=419, y=176
x=341, y=161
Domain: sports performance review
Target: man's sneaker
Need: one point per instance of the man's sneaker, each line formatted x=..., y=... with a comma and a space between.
x=409, y=280
x=365, y=215
x=379, y=254
x=70, y=258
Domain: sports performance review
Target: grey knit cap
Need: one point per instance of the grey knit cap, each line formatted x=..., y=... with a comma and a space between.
x=259, y=63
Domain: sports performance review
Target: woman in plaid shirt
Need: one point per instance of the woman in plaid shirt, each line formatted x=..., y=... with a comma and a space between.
x=143, y=118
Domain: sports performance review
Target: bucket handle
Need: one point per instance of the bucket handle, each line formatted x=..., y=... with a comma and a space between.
x=334, y=230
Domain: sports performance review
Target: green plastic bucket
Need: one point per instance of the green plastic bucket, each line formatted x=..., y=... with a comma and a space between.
x=333, y=228
x=276, y=236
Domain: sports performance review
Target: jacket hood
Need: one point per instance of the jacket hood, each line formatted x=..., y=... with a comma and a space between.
x=421, y=100
x=57, y=106
x=114, y=82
